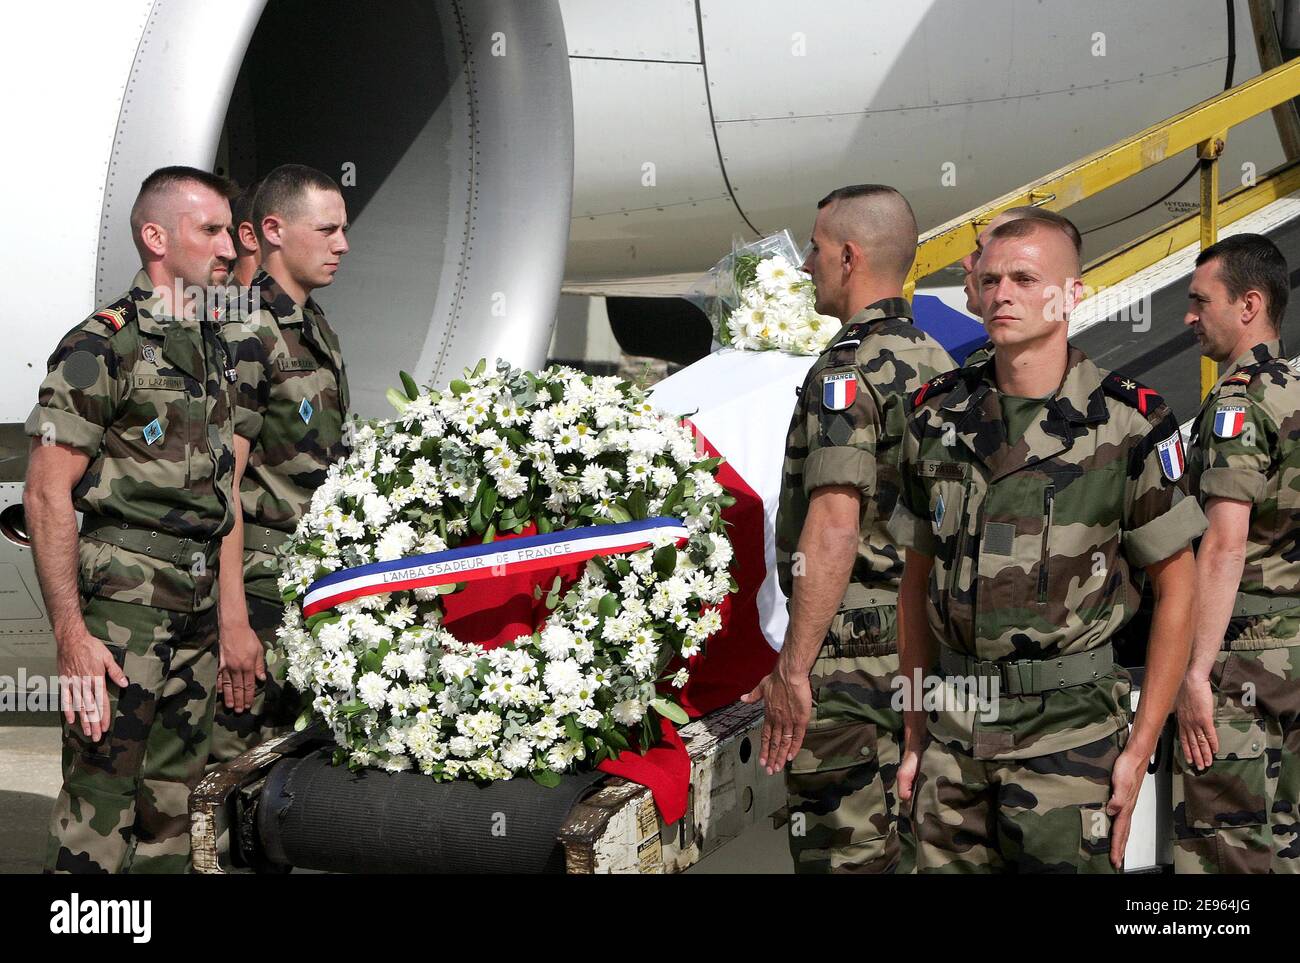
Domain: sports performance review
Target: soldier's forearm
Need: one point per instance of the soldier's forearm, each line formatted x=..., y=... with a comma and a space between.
x=1218, y=575
x=1173, y=584
x=915, y=646
x=232, y=607
x=52, y=523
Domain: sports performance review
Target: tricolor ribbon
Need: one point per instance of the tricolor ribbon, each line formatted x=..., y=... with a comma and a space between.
x=471, y=563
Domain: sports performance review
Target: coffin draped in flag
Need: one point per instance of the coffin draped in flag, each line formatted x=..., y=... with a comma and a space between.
x=740, y=403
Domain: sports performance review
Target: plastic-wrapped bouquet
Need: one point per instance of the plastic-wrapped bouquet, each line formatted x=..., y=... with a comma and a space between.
x=758, y=299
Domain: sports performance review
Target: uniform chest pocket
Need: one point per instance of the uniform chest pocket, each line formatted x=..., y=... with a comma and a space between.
x=298, y=397
x=945, y=484
x=1051, y=534
x=159, y=407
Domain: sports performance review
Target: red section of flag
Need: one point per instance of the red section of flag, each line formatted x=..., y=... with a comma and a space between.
x=665, y=769
x=737, y=656
x=498, y=610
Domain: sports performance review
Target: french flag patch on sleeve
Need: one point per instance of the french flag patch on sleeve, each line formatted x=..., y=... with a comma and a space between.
x=839, y=390
x=1229, y=420
x=1171, y=456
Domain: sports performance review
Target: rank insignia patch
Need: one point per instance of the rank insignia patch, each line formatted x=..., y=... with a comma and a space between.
x=839, y=390
x=1229, y=420
x=1171, y=456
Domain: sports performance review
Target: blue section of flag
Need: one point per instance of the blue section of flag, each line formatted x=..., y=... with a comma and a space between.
x=959, y=333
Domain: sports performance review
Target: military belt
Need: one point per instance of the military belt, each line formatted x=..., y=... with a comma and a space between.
x=1248, y=604
x=148, y=541
x=262, y=539
x=859, y=596
x=1032, y=676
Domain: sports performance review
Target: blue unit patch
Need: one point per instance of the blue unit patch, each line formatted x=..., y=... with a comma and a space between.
x=305, y=411
x=152, y=432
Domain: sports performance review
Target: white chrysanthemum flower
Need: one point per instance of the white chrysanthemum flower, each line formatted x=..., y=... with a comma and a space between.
x=628, y=712
x=562, y=677
x=372, y=689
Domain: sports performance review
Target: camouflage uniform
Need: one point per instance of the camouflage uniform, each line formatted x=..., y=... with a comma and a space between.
x=1240, y=815
x=1037, y=546
x=846, y=429
x=148, y=399
x=292, y=406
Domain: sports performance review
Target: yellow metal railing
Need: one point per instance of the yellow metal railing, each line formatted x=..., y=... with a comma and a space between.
x=1204, y=126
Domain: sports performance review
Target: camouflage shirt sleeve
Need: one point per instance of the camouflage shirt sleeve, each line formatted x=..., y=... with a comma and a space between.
x=253, y=378
x=845, y=449
x=1159, y=518
x=909, y=525
x=1237, y=467
x=79, y=397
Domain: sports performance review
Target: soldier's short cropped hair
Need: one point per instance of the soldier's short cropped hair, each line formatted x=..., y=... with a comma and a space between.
x=1051, y=217
x=241, y=208
x=1034, y=215
x=283, y=189
x=1251, y=262
x=166, y=179
x=1026, y=224
x=884, y=224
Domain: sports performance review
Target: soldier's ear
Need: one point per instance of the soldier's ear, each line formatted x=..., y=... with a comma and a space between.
x=154, y=237
x=247, y=236
x=272, y=228
x=1077, y=292
x=1252, y=307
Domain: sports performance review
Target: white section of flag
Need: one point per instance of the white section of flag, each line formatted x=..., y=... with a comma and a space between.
x=742, y=403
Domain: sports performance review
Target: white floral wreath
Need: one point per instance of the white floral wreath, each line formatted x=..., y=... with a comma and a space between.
x=490, y=454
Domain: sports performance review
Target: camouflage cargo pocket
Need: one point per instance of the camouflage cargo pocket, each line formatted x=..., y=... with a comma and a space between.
x=92, y=565
x=1094, y=839
x=835, y=780
x=1232, y=791
x=96, y=753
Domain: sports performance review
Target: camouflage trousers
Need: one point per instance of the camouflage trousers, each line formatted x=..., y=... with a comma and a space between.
x=124, y=806
x=1240, y=815
x=843, y=808
x=1046, y=814
x=275, y=704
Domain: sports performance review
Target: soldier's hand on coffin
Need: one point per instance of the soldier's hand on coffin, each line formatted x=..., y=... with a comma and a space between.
x=242, y=665
x=787, y=707
x=84, y=662
x=1195, y=710
x=1125, y=781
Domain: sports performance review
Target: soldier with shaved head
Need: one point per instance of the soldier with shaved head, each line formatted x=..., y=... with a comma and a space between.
x=134, y=428
x=827, y=704
x=1037, y=492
